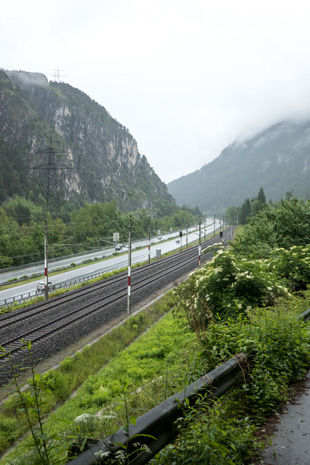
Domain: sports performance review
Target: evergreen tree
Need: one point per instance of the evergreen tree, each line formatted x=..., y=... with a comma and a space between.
x=261, y=196
x=245, y=211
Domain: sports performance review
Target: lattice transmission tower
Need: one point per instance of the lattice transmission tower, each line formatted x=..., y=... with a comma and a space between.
x=57, y=74
x=51, y=170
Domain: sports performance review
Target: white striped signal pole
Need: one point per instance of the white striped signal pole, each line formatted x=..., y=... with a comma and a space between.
x=149, y=242
x=45, y=261
x=187, y=236
x=129, y=268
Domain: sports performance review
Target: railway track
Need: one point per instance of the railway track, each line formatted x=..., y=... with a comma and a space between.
x=61, y=321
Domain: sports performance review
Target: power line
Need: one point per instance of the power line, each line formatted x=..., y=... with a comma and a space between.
x=51, y=246
x=68, y=225
x=65, y=224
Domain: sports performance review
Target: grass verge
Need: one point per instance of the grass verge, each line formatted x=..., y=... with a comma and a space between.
x=60, y=383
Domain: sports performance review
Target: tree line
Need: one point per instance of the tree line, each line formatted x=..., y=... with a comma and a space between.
x=75, y=228
x=249, y=208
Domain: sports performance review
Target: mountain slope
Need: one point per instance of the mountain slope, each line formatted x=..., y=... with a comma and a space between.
x=278, y=159
x=105, y=163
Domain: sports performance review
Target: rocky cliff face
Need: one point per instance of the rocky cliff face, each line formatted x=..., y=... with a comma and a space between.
x=105, y=163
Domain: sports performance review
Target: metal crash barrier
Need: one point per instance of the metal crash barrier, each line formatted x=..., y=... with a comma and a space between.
x=160, y=422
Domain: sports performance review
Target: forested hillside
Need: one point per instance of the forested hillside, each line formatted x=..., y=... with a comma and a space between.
x=278, y=159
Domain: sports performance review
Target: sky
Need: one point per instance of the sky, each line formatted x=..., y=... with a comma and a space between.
x=187, y=78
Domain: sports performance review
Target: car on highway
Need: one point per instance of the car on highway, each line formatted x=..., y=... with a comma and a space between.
x=159, y=238
x=118, y=247
x=41, y=286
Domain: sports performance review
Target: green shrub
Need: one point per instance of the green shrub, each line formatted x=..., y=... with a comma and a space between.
x=67, y=364
x=279, y=348
x=8, y=427
x=293, y=265
x=227, y=287
x=56, y=383
x=216, y=434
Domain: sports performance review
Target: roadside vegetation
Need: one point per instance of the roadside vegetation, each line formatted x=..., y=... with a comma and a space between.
x=247, y=299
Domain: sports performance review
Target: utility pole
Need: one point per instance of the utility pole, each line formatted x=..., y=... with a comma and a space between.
x=149, y=241
x=51, y=167
x=199, y=246
x=129, y=268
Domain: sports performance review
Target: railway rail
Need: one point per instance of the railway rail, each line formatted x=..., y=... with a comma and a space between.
x=54, y=325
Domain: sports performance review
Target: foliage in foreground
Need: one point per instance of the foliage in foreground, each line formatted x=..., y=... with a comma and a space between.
x=31, y=405
x=58, y=384
x=215, y=434
x=223, y=432
x=242, y=301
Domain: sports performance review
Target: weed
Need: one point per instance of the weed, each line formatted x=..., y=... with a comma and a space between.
x=30, y=406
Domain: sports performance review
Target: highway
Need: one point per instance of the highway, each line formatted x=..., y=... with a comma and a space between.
x=166, y=244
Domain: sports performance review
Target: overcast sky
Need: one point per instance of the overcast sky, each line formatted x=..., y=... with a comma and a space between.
x=186, y=78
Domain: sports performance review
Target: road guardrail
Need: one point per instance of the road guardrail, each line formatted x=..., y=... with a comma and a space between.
x=160, y=423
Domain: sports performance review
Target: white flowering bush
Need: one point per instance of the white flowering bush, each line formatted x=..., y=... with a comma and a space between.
x=228, y=286
x=86, y=424
x=122, y=456
x=293, y=265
